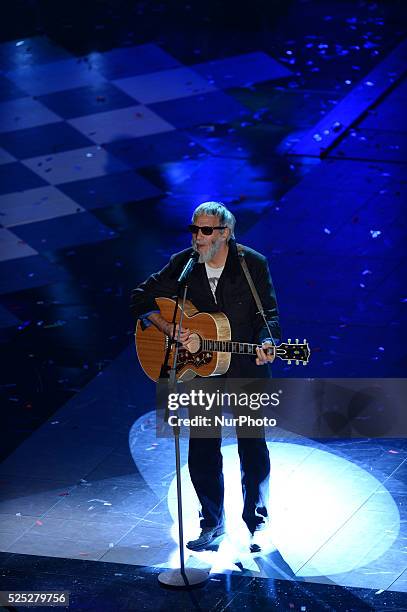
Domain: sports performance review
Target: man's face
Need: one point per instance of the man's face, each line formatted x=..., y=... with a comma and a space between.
x=208, y=246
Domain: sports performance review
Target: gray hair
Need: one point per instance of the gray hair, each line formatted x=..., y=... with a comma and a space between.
x=216, y=209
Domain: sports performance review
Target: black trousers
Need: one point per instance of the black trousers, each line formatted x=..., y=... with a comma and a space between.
x=205, y=467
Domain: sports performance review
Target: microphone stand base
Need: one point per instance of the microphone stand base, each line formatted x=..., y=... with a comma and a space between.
x=183, y=579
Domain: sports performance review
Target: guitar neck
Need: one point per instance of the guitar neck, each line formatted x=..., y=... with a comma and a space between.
x=228, y=346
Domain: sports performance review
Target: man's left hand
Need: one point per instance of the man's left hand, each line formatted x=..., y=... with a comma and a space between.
x=262, y=355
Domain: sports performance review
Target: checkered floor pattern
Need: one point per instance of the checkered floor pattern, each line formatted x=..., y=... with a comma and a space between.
x=74, y=132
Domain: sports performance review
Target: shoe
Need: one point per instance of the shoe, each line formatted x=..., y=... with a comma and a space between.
x=208, y=534
x=255, y=545
x=260, y=526
x=255, y=542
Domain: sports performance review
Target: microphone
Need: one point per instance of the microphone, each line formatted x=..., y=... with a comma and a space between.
x=189, y=266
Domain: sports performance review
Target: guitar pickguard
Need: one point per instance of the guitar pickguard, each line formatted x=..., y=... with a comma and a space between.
x=196, y=360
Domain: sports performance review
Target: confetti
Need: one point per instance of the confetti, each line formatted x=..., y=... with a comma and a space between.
x=56, y=324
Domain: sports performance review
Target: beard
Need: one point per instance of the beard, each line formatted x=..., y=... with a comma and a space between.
x=214, y=247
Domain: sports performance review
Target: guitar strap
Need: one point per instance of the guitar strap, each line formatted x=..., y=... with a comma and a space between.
x=242, y=259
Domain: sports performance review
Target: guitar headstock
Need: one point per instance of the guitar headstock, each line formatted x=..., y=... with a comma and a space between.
x=294, y=351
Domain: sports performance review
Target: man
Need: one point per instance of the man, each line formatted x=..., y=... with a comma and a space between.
x=218, y=284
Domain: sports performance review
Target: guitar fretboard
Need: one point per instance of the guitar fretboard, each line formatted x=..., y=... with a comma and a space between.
x=227, y=346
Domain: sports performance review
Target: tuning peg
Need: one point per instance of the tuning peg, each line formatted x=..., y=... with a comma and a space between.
x=296, y=341
x=304, y=363
x=305, y=342
x=297, y=362
x=289, y=340
x=289, y=362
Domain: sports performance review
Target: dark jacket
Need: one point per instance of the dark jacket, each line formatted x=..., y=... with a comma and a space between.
x=234, y=298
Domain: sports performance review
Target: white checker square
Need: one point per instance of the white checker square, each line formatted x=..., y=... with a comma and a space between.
x=56, y=76
x=130, y=122
x=35, y=205
x=12, y=247
x=23, y=113
x=165, y=85
x=6, y=158
x=74, y=165
x=241, y=70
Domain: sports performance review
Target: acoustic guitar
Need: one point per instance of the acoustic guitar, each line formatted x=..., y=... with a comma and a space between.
x=209, y=346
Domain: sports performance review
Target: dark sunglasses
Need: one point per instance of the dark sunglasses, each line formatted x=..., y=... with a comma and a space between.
x=207, y=230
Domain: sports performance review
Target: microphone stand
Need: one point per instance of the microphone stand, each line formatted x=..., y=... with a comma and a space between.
x=182, y=577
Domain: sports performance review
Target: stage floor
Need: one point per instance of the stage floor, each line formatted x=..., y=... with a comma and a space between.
x=94, y=483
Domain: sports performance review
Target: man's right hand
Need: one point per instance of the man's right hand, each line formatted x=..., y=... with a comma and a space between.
x=184, y=335
x=166, y=327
